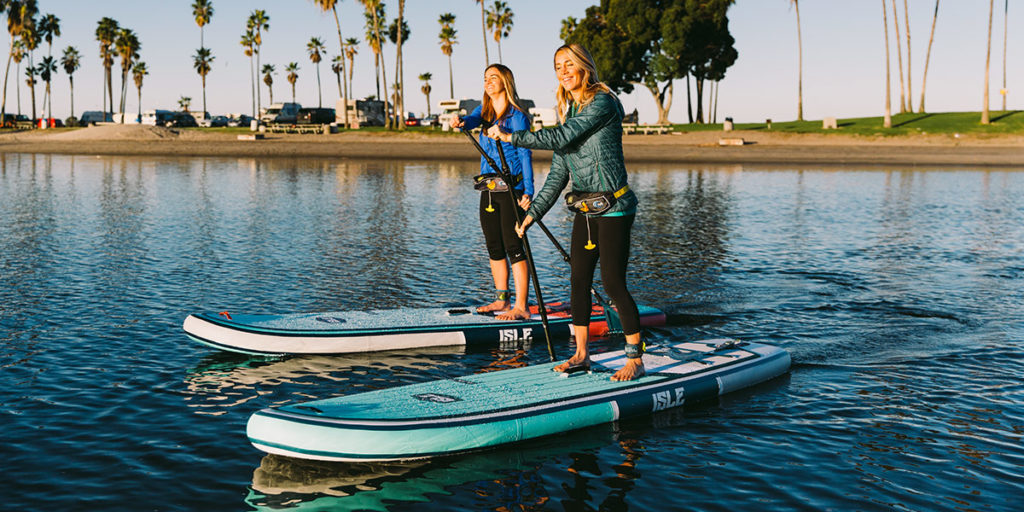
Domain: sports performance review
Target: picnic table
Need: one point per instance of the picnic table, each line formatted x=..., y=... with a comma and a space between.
x=645, y=129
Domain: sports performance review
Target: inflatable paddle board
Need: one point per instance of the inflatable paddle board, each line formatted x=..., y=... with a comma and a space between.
x=479, y=411
x=389, y=329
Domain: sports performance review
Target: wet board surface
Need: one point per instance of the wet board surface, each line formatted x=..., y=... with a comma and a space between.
x=391, y=329
x=477, y=411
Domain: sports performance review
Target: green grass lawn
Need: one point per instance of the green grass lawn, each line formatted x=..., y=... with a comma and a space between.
x=1011, y=121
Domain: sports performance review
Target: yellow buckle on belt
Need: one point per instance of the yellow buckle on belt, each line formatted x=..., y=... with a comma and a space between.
x=620, y=192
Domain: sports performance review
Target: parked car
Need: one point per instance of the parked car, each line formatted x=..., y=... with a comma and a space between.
x=412, y=121
x=183, y=120
x=49, y=122
x=158, y=117
x=282, y=113
x=430, y=120
x=17, y=121
x=95, y=116
x=239, y=120
x=315, y=116
x=219, y=121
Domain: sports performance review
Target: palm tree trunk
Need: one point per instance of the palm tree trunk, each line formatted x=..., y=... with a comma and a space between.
x=887, y=122
x=3, y=106
x=319, y=88
x=899, y=57
x=451, y=80
x=256, y=81
x=988, y=61
x=293, y=92
x=800, y=73
x=337, y=76
x=344, y=89
x=110, y=89
x=270, y=89
x=49, y=102
x=400, y=70
x=71, y=81
x=376, y=71
x=124, y=88
x=689, y=100
x=140, y=103
x=910, y=84
x=700, y=100
x=252, y=86
x=928, y=56
x=714, y=112
x=500, y=61
x=204, y=96
x=483, y=27
x=1006, y=11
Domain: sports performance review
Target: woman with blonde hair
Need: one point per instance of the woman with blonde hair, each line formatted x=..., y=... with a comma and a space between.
x=587, y=147
x=501, y=107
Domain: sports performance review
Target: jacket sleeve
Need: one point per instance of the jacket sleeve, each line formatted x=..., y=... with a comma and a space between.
x=518, y=122
x=575, y=129
x=473, y=119
x=556, y=181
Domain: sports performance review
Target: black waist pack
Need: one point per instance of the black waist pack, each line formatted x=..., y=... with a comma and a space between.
x=593, y=203
x=492, y=182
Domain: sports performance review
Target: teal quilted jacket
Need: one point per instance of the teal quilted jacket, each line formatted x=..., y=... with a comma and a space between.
x=588, y=150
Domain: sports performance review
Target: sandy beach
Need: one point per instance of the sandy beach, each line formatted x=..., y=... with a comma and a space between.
x=760, y=147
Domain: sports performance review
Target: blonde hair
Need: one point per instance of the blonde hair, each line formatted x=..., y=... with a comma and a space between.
x=508, y=82
x=592, y=85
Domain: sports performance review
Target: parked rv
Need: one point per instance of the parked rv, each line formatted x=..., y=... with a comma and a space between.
x=315, y=116
x=454, y=108
x=157, y=117
x=95, y=116
x=286, y=113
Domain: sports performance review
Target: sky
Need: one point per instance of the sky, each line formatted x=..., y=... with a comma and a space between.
x=843, y=55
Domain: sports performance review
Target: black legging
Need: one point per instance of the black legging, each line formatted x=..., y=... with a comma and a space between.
x=611, y=235
x=499, y=227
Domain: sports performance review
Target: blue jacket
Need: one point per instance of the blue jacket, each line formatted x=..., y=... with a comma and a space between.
x=520, y=160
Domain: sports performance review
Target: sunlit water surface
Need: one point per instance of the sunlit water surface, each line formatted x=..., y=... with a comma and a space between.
x=898, y=292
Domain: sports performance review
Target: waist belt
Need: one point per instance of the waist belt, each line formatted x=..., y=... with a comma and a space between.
x=593, y=203
x=493, y=182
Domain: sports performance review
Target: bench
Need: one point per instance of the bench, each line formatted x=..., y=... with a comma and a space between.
x=298, y=128
x=645, y=129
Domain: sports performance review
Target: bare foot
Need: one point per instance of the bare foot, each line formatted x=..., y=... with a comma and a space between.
x=514, y=314
x=498, y=305
x=634, y=369
x=576, y=360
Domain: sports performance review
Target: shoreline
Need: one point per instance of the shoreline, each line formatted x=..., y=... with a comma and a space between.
x=680, y=148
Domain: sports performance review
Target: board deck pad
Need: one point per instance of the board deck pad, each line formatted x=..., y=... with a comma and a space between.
x=481, y=410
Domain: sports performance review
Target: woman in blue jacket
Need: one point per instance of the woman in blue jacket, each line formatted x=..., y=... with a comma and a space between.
x=501, y=107
x=587, y=147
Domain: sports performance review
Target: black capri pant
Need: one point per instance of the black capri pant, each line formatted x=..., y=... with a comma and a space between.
x=499, y=227
x=611, y=235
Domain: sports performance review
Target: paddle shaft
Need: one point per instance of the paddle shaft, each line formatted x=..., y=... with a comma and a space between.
x=506, y=174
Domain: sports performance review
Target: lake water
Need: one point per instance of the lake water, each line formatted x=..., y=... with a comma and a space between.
x=898, y=292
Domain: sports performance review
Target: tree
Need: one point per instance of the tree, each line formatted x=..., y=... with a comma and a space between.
x=887, y=121
x=49, y=27
x=202, y=10
x=30, y=80
x=988, y=61
x=499, y=19
x=426, y=77
x=139, y=71
x=201, y=62
x=248, y=43
x=398, y=33
x=19, y=53
x=20, y=13
x=184, y=102
x=128, y=47
x=330, y=5
x=258, y=22
x=106, y=34
x=483, y=27
x=315, y=49
x=910, y=83
x=46, y=69
x=293, y=76
x=899, y=57
x=1006, y=11
x=338, y=67
x=351, y=51
x=30, y=36
x=448, y=42
x=268, y=78
x=374, y=20
x=928, y=56
x=71, y=61
x=800, y=60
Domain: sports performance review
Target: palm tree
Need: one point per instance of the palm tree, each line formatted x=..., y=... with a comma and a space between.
x=339, y=62
x=201, y=62
x=315, y=49
x=375, y=18
x=71, y=62
x=19, y=14
x=202, y=10
x=499, y=19
x=910, y=84
x=106, y=34
x=268, y=78
x=351, y=50
x=19, y=53
x=899, y=57
x=258, y=22
x=184, y=102
x=398, y=32
x=483, y=27
x=988, y=61
x=426, y=88
x=448, y=43
x=138, y=72
x=1006, y=11
x=30, y=36
x=928, y=56
x=46, y=70
x=338, y=67
x=293, y=76
x=800, y=69
x=128, y=47
x=49, y=27
x=30, y=80
x=887, y=122
x=248, y=43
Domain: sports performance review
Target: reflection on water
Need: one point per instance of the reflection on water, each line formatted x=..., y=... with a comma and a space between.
x=897, y=291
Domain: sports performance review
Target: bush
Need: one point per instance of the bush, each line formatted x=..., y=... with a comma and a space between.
x=71, y=121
